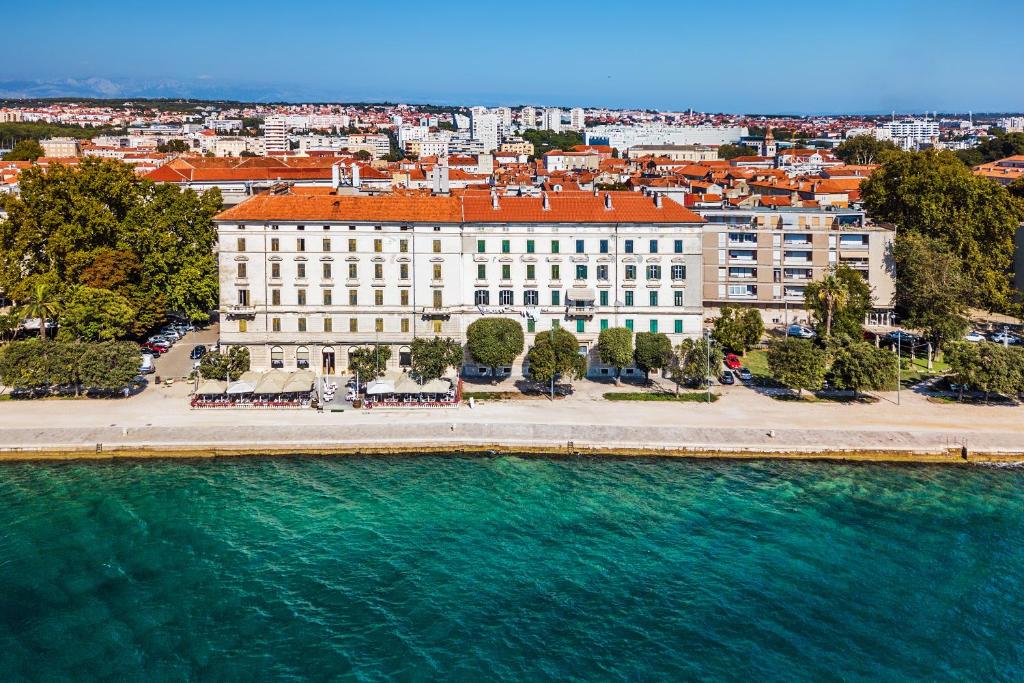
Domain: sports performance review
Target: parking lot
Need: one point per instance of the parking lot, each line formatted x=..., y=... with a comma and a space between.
x=176, y=362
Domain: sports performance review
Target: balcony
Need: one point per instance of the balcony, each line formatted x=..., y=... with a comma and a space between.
x=436, y=312
x=241, y=310
x=580, y=310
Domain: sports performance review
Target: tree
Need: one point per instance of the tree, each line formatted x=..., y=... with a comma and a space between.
x=858, y=365
x=738, y=329
x=999, y=145
x=729, y=151
x=987, y=367
x=1016, y=188
x=546, y=140
x=797, y=363
x=863, y=149
x=41, y=305
x=109, y=365
x=495, y=342
x=9, y=324
x=843, y=310
x=369, y=362
x=615, y=348
x=694, y=360
x=555, y=354
x=931, y=289
x=932, y=194
x=173, y=146
x=362, y=155
x=653, y=352
x=25, y=150
x=225, y=366
x=433, y=356
x=92, y=314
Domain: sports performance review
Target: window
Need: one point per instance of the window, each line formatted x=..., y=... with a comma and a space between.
x=506, y=246
x=275, y=297
x=405, y=325
x=630, y=272
x=300, y=271
x=482, y=297
x=241, y=274
x=678, y=246
x=327, y=244
x=579, y=246
x=678, y=272
x=653, y=326
x=301, y=297
x=531, y=297
x=437, y=327
x=556, y=272
x=654, y=246
x=481, y=271
x=240, y=244
x=353, y=271
x=505, y=297
x=581, y=326
x=481, y=246
x=277, y=357
x=529, y=246
x=403, y=246
x=437, y=298
x=678, y=329
x=556, y=298
x=351, y=245
x=653, y=272
x=378, y=297
x=437, y=271
x=602, y=297
x=531, y=272
x=353, y=297
x=506, y=271
x=629, y=297
x=602, y=273
x=378, y=245
x=378, y=324
x=581, y=272
x=275, y=324
x=275, y=270
x=300, y=244
x=677, y=298
x=604, y=246
x=437, y=246
x=403, y=271
x=531, y=325
x=328, y=297
x=378, y=271
x=327, y=271
x=629, y=324
x=403, y=297
x=353, y=324
x=629, y=247
x=604, y=324
x=554, y=246
x=302, y=324
x=243, y=297
x=653, y=298
x=275, y=244
x=243, y=325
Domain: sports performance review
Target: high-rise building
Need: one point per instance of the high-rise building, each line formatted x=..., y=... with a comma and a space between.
x=577, y=119
x=528, y=117
x=275, y=134
x=484, y=127
x=553, y=119
x=504, y=117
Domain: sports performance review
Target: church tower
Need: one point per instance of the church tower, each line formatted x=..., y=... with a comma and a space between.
x=768, y=146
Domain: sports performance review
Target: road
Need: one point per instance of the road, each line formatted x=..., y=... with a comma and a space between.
x=176, y=362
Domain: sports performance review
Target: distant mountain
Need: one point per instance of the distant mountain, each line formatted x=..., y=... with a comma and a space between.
x=106, y=88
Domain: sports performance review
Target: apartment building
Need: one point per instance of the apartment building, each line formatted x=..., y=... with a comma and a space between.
x=765, y=257
x=485, y=128
x=305, y=279
x=61, y=147
x=275, y=134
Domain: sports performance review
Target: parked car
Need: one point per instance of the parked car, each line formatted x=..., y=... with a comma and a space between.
x=801, y=332
x=161, y=339
x=1005, y=337
x=732, y=361
x=902, y=338
x=726, y=378
x=157, y=345
x=745, y=374
x=974, y=336
x=171, y=333
x=147, y=367
x=197, y=352
x=153, y=349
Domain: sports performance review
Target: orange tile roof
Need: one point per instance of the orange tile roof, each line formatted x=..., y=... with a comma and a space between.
x=576, y=207
x=386, y=208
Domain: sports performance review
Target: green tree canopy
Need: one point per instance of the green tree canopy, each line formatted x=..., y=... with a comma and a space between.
x=555, y=354
x=25, y=150
x=95, y=315
x=615, y=348
x=34, y=363
x=738, y=329
x=729, y=151
x=999, y=146
x=839, y=302
x=433, y=356
x=369, y=362
x=495, y=342
x=987, y=367
x=694, y=360
x=225, y=366
x=653, y=351
x=931, y=289
x=932, y=194
x=797, y=363
x=173, y=146
x=109, y=365
x=546, y=140
x=858, y=365
x=863, y=149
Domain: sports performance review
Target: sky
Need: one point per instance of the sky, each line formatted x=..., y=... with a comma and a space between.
x=731, y=56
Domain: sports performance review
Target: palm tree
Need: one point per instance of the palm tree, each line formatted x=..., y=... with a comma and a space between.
x=834, y=294
x=42, y=305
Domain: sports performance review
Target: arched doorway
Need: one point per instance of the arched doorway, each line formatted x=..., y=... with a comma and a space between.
x=327, y=364
x=404, y=356
x=302, y=357
x=277, y=357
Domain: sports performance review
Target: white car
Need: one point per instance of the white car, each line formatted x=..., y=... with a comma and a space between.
x=974, y=336
x=1005, y=338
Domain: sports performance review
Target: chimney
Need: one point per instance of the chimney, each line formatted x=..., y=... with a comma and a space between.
x=545, y=204
x=657, y=200
x=494, y=200
x=355, y=175
x=607, y=202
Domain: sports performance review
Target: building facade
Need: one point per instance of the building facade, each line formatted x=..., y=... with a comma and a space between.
x=306, y=279
x=275, y=134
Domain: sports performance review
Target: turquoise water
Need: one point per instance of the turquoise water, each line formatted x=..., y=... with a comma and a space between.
x=510, y=569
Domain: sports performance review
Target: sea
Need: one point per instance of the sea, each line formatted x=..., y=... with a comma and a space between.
x=506, y=568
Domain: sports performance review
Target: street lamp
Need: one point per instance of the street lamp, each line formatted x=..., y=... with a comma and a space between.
x=707, y=347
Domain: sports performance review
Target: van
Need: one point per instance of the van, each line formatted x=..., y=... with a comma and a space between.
x=147, y=366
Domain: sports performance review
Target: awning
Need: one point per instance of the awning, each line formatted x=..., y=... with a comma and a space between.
x=271, y=382
x=380, y=386
x=580, y=294
x=211, y=387
x=300, y=380
x=244, y=384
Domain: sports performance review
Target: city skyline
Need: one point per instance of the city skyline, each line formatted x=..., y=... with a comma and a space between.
x=664, y=57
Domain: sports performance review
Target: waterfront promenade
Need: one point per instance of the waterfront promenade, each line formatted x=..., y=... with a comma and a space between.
x=742, y=423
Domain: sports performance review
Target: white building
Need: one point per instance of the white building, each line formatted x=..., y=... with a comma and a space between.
x=553, y=120
x=528, y=117
x=1012, y=124
x=577, y=119
x=275, y=134
x=504, y=118
x=913, y=134
x=623, y=137
x=304, y=279
x=485, y=128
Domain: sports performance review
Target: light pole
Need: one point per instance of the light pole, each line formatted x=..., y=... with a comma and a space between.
x=899, y=366
x=707, y=347
x=551, y=341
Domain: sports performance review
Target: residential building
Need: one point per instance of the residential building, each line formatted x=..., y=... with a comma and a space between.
x=577, y=119
x=553, y=120
x=485, y=128
x=528, y=117
x=691, y=153
x=623, y=137
x=275, y=134
x=61, y=147
x=304, y=279
x=1003, y=171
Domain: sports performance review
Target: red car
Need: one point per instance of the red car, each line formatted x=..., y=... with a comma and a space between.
x=732, y=361
x=155, y=349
